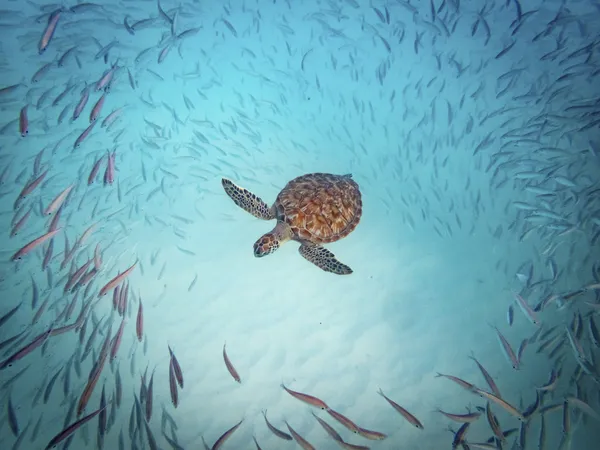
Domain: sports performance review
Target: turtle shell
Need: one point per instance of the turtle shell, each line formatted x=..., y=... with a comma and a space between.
x=320, y=207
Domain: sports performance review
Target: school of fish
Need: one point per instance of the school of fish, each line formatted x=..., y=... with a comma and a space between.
x=77, y=101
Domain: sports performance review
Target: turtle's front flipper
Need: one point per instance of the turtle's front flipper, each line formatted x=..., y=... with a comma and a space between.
x=247, y=200
x=323, y=258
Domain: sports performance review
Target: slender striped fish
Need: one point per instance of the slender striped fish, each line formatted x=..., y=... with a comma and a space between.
x=299, y=439
x=116, y=280
x=226, y=436
x=461, y=418
x=508, y=350
x=33, y=244
x=403, y=412
x=68, y=431
x=529, y=313
x=488, y=378
x=343, y=420
x=502, y=403
x=280, y=434
x=230, y=367
x=313, y=401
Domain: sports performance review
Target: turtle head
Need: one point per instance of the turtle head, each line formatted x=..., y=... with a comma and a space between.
x=266, y=245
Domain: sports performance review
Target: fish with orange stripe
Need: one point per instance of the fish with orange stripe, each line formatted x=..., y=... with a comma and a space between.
x=230, y=366
x=49, y=31
x=309, y=399
x=403, y=412
x=33, y=244
x=219, y=443
x=116, y=280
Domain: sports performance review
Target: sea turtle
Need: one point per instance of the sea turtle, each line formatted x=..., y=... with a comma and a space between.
x=312, y=209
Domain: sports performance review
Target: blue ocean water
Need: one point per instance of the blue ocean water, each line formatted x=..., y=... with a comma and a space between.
x=133, y=312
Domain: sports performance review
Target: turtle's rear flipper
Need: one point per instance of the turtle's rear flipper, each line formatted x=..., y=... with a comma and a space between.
x=247, y=200
x=323, y=258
